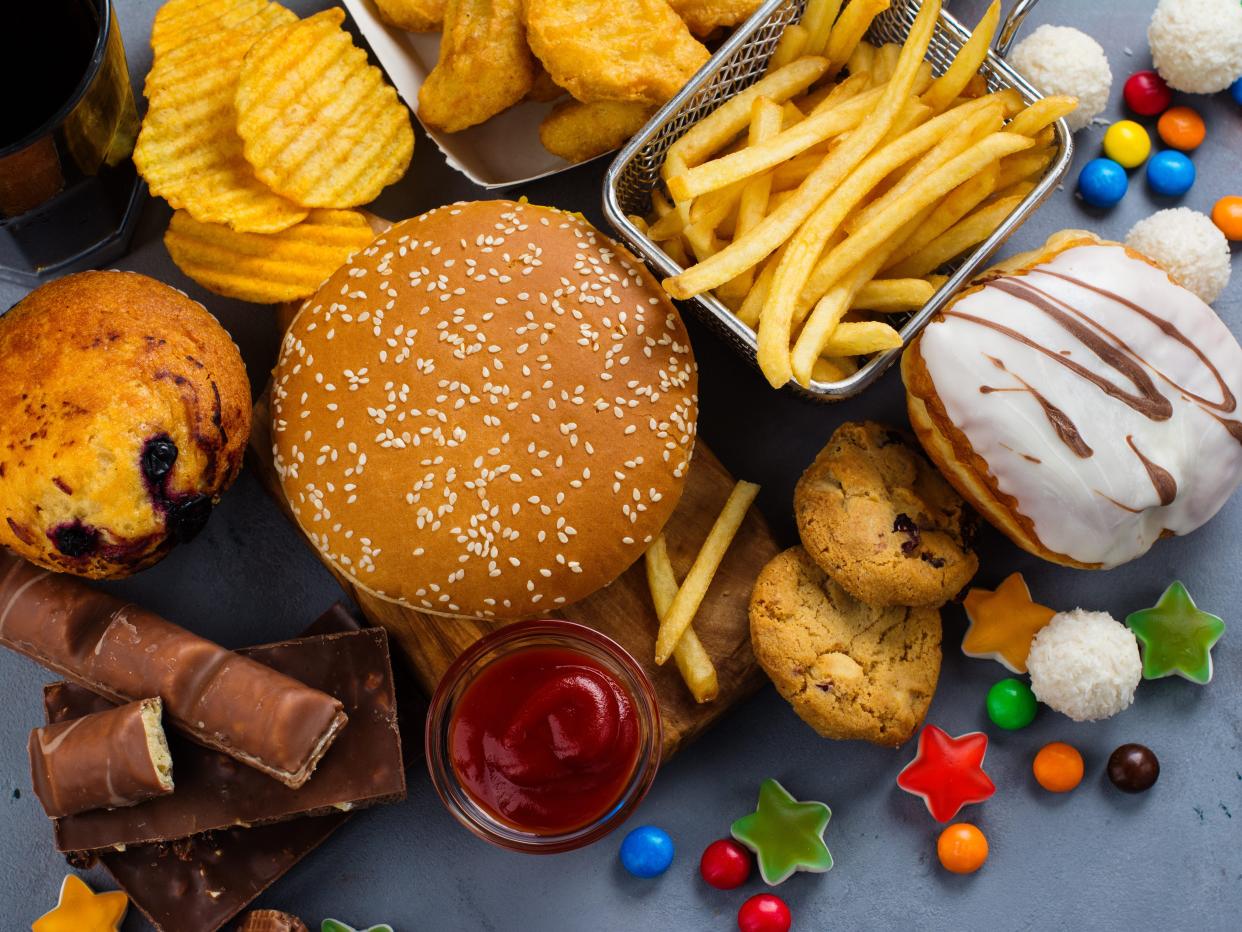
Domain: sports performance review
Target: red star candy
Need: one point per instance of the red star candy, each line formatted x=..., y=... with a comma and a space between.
x=948, y=772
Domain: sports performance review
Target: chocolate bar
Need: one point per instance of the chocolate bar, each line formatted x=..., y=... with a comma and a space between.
x=107, y=760
x=219, y=698
x=214, y=792
x=199, y=884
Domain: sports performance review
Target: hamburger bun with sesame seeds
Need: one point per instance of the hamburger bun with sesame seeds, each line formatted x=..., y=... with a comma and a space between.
x=488, y=412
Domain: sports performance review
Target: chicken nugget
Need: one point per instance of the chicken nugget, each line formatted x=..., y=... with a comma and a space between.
x=576, y=131
x=635, y=50
x=412, y=15
x=485, y=65
x=706, y=16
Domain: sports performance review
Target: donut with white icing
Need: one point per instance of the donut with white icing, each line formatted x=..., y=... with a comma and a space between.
x=1082, y=401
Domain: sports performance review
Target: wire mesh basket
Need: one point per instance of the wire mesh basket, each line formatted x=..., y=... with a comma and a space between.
x=740, y=62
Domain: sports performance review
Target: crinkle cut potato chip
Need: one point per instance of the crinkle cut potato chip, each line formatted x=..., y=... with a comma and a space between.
x=266, y=268
x=179, y=22
x=189, y=151
x=320, y=124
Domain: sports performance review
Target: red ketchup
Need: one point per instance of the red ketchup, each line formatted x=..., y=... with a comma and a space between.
x=545, y=740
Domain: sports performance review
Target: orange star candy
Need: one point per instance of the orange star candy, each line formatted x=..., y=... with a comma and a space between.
x=82, y=910
x=1002, y=623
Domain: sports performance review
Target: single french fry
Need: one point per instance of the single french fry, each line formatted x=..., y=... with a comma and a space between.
x=693, y=663
x=780, y=224
x=833, y=95
x=978, y=119
x=675, y=249
x=639, y=222
x=725, y=122
x=884, y=62
x=821, y=125
x=787, y=298
x=690, y=596
x=668, y=226
x=965, y=234
x=659, y=203
x=861, y=60
x=966, y=63
x=956, y=204
x=792, y=173
x=1024, y=165
x=924, y=193
x=1019, y=189
x=792, y=44
x=765, y=122
x=818, y=20
x=1044, y=112
x=892, y=295
x=861, y=338
x=849, y=29
x=827, y=370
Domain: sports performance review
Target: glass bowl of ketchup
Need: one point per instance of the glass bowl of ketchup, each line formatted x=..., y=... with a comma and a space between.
x=543, y=736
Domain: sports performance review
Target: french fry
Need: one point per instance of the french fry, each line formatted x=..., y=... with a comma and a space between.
x=884, y=62
x=824, y=124
x=787, y=297
x=861, y=60
x=893, y=295
x=833, y=369
x=833, y=95
x=752, y=306
x=790, y=114
x=1023, y=165
x=689, y=597
x=1044, y=112
x=818, y=20
x=925, y=192
x=956, y=205
x=792, y=44
x=693, y=663
x=966, y=63
x=968, y=232
x=780, y=224
x=861, y=338
x=639, y=222
x=765, y=122
x=849, y=29
x=721, y=125
x=675, y=249
x=792, y=173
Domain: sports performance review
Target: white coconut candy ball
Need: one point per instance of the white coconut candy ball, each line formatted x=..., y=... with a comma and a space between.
x=1187, y=245
x=1196, y=45
x=1064, y=60
x=1085, y=665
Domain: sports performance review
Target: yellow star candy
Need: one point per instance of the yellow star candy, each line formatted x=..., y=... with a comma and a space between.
x=82, y=910
x=1002, y=623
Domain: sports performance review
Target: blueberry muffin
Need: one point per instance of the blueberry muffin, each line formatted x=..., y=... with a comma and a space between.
x=849, y=670
x=877, y=517
x=124, y=413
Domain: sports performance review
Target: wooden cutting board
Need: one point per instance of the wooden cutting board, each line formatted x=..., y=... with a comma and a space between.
x=623, y=610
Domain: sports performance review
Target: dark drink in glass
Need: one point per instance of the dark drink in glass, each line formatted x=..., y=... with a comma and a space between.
x=69, y=195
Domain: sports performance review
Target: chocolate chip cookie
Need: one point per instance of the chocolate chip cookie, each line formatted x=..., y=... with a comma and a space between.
x=849, y=670
x=877, y=517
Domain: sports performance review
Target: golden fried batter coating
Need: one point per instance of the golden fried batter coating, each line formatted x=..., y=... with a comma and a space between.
x=706, y=16
x=576, y=131
x=414, y=15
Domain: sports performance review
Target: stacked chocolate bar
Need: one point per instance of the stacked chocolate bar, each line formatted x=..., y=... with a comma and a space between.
x=271, y=747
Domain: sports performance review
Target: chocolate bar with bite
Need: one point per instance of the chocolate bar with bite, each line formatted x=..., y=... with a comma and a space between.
x=219, y=698
x=106, y=760
x=214, y=792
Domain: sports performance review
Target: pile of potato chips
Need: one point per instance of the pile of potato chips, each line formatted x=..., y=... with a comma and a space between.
x=614, y=61
x=262, y=129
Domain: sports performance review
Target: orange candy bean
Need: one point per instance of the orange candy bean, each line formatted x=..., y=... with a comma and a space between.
x=1227, y=214
x=962, y=848
x=1181, y=128
x=1058, y=767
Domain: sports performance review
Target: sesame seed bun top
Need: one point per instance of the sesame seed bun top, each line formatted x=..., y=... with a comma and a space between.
x=488, y=412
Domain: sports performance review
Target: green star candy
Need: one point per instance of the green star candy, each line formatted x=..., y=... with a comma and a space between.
x=1176, y=637
x=335, y=925
x=786, y=835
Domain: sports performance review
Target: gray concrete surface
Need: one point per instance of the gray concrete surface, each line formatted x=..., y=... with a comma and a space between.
x=1094, y=859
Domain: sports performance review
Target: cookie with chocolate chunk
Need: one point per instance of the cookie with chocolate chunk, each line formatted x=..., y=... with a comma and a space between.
x=875, y=515
x=850, y=670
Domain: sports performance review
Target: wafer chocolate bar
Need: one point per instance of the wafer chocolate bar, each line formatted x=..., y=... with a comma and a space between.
x=219, y=698
x=107, y=760
x=363, y=768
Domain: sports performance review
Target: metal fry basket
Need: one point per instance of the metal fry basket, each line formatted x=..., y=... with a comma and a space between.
x=740, y=62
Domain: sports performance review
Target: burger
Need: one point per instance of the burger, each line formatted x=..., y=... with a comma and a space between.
x=489, y=412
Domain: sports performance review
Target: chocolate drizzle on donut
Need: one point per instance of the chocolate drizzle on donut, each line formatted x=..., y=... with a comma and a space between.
x=1059, y=420
x=1161, y=478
